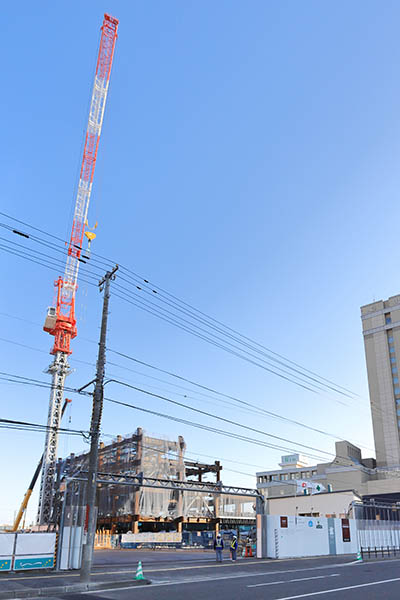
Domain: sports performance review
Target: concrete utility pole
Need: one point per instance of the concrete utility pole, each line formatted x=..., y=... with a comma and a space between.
x=90, y=523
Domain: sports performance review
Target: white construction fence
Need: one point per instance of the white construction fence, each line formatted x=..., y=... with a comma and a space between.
x=291, y=537
x=24, y=551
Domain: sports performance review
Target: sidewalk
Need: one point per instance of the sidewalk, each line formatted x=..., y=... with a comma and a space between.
x=51, y=583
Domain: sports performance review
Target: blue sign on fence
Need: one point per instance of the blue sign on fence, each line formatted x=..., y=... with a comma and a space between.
x=34, y=562
x=5, y=564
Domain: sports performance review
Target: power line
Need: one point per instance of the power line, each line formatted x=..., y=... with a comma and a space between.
x=195, y=317
x=216, y=325
x=214, y=391
x=37, y=383
x=28, y=426
x=208, y=414
x=269, y=350
x=217, y=345
x=54, y=263
x=42, y=263
x=201, y=426
x=249, y=407
x=223, y=344
x=60, y=264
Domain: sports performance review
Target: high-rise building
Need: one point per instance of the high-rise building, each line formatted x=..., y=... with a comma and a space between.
x=381, y=330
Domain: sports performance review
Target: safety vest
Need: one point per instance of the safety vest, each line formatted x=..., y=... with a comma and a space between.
x=234, y=544
x=218, y=543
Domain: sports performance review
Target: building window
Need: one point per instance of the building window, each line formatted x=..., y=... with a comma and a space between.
x=392, y=359
x=390, y=339
x=286, y=476
x=394, y=369
x=397, y=391
x=313, y=473
x=388, y=319
x=395, y=380
x=292, y=475
x=391, y=350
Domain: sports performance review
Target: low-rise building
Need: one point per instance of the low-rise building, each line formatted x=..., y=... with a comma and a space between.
x=348, y=473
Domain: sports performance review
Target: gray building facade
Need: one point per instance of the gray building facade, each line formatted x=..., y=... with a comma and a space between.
x=381, y=331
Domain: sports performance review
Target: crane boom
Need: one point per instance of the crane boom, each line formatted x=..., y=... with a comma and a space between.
x=61, y=320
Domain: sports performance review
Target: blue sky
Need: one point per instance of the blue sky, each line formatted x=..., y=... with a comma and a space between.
x=248, y=164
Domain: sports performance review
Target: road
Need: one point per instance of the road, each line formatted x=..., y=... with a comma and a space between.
x=201, y=579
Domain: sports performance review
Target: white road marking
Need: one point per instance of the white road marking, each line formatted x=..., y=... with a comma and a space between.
x=148, y=570
x=293, y=580
x=241, y=564
x=350, y=587
x=185, y=568
x=204, y=580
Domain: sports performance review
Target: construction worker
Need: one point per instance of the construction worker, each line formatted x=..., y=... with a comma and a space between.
x=218, y=547
x=233, y=548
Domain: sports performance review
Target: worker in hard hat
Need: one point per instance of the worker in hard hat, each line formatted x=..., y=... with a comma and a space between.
x=233, y=548
x=218, y=547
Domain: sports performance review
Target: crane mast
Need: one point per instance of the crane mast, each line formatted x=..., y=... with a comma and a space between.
x=61, y=321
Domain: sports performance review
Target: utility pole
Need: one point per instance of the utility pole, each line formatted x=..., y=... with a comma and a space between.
x=90, y=522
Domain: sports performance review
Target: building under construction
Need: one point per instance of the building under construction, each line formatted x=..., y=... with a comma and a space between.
x=139, y=509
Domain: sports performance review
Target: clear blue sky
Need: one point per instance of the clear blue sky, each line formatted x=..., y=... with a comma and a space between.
x=248, y=164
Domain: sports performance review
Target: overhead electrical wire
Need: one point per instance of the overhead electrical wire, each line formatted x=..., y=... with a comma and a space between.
x=160, y=312
x=196, y=318
x=22, y=254
x=232, y=400
x=293, y=378
x=221, y=343
x=161, y=291
x=37, y=383
x=218, y=431
x=28, y=426
x=213, y=324
x=40, y=428
x=219, y=418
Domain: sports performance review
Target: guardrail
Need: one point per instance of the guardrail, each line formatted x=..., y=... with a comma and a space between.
x=380, y=551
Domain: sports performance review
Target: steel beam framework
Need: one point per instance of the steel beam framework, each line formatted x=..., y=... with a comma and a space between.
x=167, y=484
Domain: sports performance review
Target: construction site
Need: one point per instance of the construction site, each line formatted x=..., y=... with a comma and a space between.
x=136, y=483
x=135, y=509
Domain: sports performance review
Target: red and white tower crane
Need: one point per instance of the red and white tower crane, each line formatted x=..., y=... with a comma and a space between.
x=60, y=320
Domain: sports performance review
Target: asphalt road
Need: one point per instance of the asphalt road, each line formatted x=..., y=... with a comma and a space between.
x=337, y=577
x=128, y=558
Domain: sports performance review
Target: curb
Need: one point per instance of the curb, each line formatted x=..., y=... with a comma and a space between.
x=74, y=587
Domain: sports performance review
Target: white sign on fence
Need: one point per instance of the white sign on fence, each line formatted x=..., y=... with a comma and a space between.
x=171, y=537
x=34, y=551
x=22, y=551
x=7, y=541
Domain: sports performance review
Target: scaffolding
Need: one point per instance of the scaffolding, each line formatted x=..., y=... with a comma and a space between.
x=169, y=508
